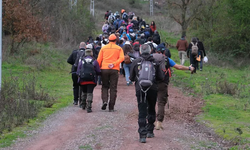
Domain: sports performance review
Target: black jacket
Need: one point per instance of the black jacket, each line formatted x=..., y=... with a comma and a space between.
x=156, y=38
x=134, y=71
x=72, y=58
x=202, y=49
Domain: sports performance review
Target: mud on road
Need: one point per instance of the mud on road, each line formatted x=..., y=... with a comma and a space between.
x=72, y=128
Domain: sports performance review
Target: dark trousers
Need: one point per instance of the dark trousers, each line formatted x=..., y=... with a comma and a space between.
x=87, y=93
x=147, y=113
x=109, y=81
x=194, y=62
x=162, y=100
x=88, y=88
x=75, y=87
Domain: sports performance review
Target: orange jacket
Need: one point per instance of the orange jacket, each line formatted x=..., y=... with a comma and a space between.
x=110, y=54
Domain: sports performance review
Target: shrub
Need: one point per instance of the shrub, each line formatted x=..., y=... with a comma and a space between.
x=17, y=105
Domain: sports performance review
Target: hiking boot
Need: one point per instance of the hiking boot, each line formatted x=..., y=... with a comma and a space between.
x=142, y=140
x=89, y=102
x=158, y=125
x=89, y=110
x=104, y=105
x=150, y=135
x=83, y=106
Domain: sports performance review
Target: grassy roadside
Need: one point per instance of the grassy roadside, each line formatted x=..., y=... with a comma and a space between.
x=54, y=79
x=226, y=92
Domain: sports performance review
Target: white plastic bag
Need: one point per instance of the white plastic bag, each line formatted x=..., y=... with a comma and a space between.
x=205, y=59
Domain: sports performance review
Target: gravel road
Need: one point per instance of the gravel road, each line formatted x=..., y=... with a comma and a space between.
x=72, y=128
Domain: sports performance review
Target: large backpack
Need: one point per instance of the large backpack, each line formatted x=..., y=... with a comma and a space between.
x=79, y=56
x=87, y=71
x=125, y=16
x=146, y=76
x=127, y=59
x=194, y=49
x=111, y=19
x=132, y=36
x=164, y=67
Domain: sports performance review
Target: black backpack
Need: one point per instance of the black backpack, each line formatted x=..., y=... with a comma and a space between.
x=146, y=76
x=80, y=54
x=87, y=71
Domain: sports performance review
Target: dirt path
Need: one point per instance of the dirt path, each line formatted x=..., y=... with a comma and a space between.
x=72, y=128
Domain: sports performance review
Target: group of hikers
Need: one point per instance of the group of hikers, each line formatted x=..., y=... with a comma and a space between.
x=146, y=63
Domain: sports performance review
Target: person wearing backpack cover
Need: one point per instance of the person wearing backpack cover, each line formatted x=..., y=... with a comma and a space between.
x=71, y=60
x=144, y=72
x=109, y=59
x=162, y=96
x=193, y=53
x=88, y=71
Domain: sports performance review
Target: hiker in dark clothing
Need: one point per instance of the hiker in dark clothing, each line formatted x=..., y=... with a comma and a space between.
x=71, y=60
x=156, y=37
x=87, y=86
x=202, y=53
x=162, y=95
x=146, y=101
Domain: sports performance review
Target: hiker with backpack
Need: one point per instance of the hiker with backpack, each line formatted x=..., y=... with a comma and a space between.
x=72, y=60
x=147, y=31
x=106, y=15
x=111, y=18
x=193, y=53
x=105, y=27
x=88, y=70
x=145, y=72
x=162, y=96
x=109, y=59
x=182, y=46
x=127, y=50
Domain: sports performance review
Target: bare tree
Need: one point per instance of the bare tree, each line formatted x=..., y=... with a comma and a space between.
x=184, y=11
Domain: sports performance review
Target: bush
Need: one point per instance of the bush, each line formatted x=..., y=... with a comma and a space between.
x=18, y=105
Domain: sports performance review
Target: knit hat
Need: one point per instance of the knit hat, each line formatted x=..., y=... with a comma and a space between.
x=89, y=46
x=145, y=48
x=88, y=52
x=112, y=37
x=161, y=47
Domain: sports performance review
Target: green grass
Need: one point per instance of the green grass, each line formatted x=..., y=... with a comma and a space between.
x=227, y=114
x=55, y=79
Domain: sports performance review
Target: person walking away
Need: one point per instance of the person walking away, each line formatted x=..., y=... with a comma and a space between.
x=202, y=53
x=136, y=49
x=141, y=68
x=106, y=15
x=153, y=26
x=72, y=60
x=127, y=50
x=193, y=52
x=88, y=69
x=156, y=37
x=162, y=95
x=109, y=59
x=182, y=46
